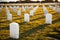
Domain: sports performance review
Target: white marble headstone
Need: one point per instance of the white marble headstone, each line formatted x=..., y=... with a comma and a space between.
x=9, y=17
x=36, y=8
x=54, y=8
x=14, y=30
x=17, y=7
x=58, y=10
x=48, y=18
x=0, y=9
x=10, y=6
x=14, y=8
x=31, y=13
x=45, y=10
x=26, y=18
x=23, y=8
x=19, y=12
x=7, y=12
x=2, y=6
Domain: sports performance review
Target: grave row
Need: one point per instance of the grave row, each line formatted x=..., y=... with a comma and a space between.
x=27, y=16
x=28, y=7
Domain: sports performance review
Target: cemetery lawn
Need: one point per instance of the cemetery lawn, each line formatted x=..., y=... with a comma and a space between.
x=36, y=29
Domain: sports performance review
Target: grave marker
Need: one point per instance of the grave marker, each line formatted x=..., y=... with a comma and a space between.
x=48, y=18
x=19, y=12
x=14, y=30
x=31, y=13
x=26, y=18
x=9, y=17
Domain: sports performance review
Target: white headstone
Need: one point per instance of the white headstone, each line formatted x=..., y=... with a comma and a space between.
x=30, y=7
x=53, y=8
x=23, y=8
x=0, y=9
x=17, y=7
x=10, y=6
x=48, y=18
x=27, y=7
x=58, y=10
x=31, y=13
x=13, y=8
x=1, y=6
x=9, y=17
x=26, y=18
x=19, y=12
x=45, y=10
x=36, y=8
x=14, y=30
x=7, y=12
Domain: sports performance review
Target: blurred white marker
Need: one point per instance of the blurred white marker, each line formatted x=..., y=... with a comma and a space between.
x=14, y=30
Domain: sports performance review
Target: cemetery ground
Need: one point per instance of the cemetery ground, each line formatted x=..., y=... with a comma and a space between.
x=36, y=29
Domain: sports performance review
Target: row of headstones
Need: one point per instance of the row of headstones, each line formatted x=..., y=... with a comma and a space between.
x=18, y=13
x=28, y=7
x=23, y=8
x=57, y=9
x=26, y=16
x=9, y=16
x=14, y=8
x=34, y=9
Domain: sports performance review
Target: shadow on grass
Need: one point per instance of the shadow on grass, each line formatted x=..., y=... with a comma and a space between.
x=56, y=36
x=35, y=29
